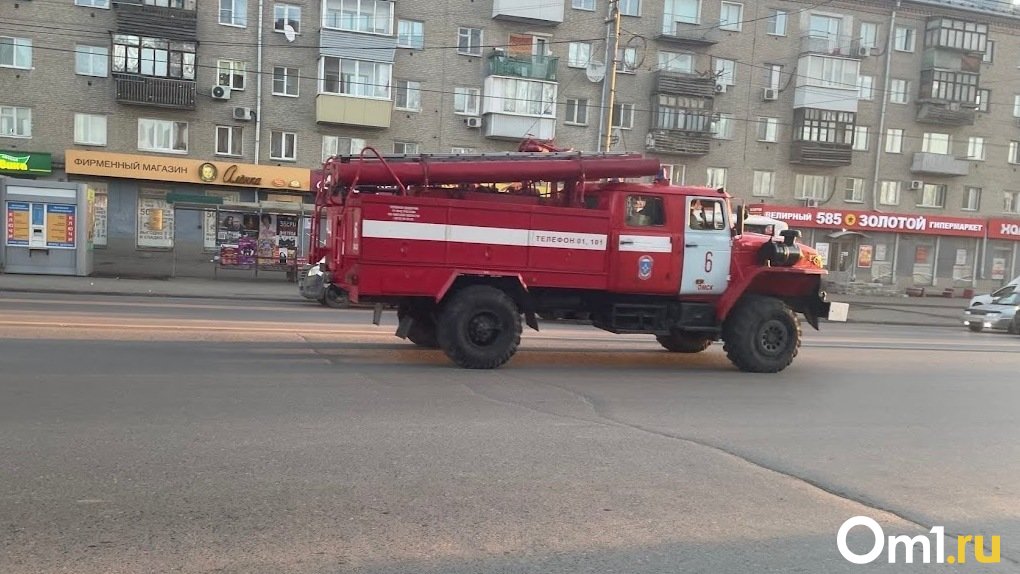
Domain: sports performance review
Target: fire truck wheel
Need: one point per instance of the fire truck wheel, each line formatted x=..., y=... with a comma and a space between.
x=679, y=342
x=761, y=335
x=335, y=298
x=480, y=327
x=423, y=329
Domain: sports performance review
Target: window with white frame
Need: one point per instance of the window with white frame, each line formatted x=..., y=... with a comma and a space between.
x=407, y=95
x=286, y=15
x=676, y=62
x=406, y=148
x=283, y=145
x=810, y=187
x=860, y=138
x=776, y=22
x=577, y=111
x=358, y=78
x=731, y=16
x=1011, y=201
x=1013, y=155
x=933, y=195
x=285, y=81
x=903, y=39
x=889, y=192
x=155, y=57
x=894, y=140
x=91, y=61
x=15, y=52
x=831, y=72
x=853, y=192
x=971, y=198
x=976, y=148
x=773, y=76
x=230, y=73
x=984, y=97
x=768, y=129
x=228, y=140
x=465, y=100
x=1016, y=106
x=724, y=127
x=865, y=87
x=469, y=41
x=935, y=143
x=89, y=129
x=623, y=116
x=15, y=122
x=627, y=60
x=764, y=184
x=869, y=35
x=898, y=91
x=715, y=177
x=578, y=54
x=410, y=34
x=462, y=150
x=162, y=136
x=583, y=4
x=234, y=12
x=366, y=16
x=989, y=54
x=680, y=12
x=630, y=7
x=337, y=145
x=725, y=71
x=93, y=3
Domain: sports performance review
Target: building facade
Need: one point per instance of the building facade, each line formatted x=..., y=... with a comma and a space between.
x=887, y=131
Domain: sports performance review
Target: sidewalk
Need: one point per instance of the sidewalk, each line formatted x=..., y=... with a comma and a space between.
x=911, y=311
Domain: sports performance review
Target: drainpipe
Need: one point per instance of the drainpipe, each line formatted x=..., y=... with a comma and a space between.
x=880, y=140
x=258, y=88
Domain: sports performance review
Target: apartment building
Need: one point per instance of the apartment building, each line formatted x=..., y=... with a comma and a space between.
x=886, y=131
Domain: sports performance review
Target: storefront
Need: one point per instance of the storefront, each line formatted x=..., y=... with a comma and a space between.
x=159, y=216
x=906, y=250
x=25, y=164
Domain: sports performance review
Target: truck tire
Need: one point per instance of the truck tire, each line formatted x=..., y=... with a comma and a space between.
x=479, y=328
x=680, y=342
x=761, y=335
x=335, y=298
x=423, y=329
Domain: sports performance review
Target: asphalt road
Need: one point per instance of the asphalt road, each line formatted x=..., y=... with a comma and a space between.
x=146, y=435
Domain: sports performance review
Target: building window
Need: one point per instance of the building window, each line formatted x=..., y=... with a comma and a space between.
x=230, y=73
x=91, y=61
x=725, y=71
x=935, y=143
x=285, y=81
x=462, y=150
x=776, y=25
x=764, y=184
x=731, y=16
x=407, y=96
x=854, y=190
x=976, y=148
x=630, y=7
x=1011, y=201
x=162, y=135
x=894, y=140
x=1014, y=152
x=814, y=187
x=286, y=15
x=951, y=86
x=956, y=34
x=15, y=122
x=283, y=146
x=89, y=129
x=336, y=145
x=228, y=140
x=903, y=39
x=15, y=52
x=682, y=113
x=865, y=87
x=989, y=55
x=93, y=3
x=889, y=193
x=367, y=16
x=724, y=127
x=623, y=116
x=627, y=58
x=583, y=5
x=933, y=195
x=358, y=78
x=773, y=75
x=405, y=148
x=831, y=72
x=469, y=41
x=716, y=177
x=898, y=90
x=465, y=101
x=577, y=111
x=680, y=12
x=410, y=34
x=824, y=126
x=984, y=97
x=578, y=54
x=768, y=129
x=1016, y=106
x=153, y=57
x=234, y=12
x=971, y=198
x=860, y=138
x=676, y=62
x=869, y=35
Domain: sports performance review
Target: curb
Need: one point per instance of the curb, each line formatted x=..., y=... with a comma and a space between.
x=163, y=295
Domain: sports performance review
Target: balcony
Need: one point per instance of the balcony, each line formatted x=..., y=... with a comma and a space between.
x=842, y=46
x=140, y=19
x=939, y=164
x=548, y=12
x=684, y=34
x=516, y=128
x=685, y=84
x=945, y=113
x=824, y=154
x=157, y=92
x=676, y=142
x=533, y=68
x=957, y=35
x=352, y=111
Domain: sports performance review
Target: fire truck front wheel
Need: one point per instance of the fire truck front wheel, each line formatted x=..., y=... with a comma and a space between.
x=761, y=335
x=679, y=342
x=480, y=327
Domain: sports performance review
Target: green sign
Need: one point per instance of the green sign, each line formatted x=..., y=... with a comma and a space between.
x=16, y=162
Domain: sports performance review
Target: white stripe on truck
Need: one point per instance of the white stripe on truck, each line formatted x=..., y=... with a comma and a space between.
x=373, y=228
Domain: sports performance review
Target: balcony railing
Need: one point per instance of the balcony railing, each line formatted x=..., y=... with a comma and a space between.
x=548, y=12
x=675, y=142
x=821, y=153
x=945, y=113
x=157, y=21
x=939, y=164
x=685, y=84
x=157, y=92
x=534, y=67
x=691, y=35
x=832, y=45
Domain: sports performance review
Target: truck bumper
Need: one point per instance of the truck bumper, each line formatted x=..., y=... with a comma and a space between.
x=819, y=307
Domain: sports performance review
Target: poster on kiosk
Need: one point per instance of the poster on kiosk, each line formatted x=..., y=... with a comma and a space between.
x=47, y=227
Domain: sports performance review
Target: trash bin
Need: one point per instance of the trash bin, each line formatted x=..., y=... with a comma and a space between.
x=968, y=292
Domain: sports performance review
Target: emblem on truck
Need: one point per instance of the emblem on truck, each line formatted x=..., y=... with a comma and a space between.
x=644, y=267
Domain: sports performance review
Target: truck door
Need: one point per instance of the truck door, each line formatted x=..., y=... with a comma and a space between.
x=643, y=246
x=706, y=247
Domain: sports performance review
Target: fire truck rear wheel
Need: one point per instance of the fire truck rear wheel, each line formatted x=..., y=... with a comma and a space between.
x=761, y=335
x=335, y=298
x=679, y=342
x=480, y=327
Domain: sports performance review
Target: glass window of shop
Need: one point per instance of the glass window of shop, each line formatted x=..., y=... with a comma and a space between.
x=956, y=261
x=875, y=258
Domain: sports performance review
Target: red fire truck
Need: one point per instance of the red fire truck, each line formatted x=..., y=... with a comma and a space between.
x=466, y=245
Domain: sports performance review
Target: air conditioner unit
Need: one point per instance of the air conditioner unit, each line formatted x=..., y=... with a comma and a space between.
x=863, y=51
x=720, y=88
x=810, y=203
x=769, y=94
x=916, y=184
x=221, y=92
x=244, y=114
x=473, y=122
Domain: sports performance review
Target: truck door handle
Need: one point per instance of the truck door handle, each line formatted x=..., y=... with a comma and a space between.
x=626, y=242
x=690, y=244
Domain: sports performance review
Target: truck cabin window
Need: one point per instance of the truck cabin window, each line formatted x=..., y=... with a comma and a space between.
x=706, y=214
x=645, y=211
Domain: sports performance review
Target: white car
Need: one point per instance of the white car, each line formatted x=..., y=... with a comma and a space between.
x=1007, y=289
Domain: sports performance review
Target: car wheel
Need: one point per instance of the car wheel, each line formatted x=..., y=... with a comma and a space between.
x=975, y=327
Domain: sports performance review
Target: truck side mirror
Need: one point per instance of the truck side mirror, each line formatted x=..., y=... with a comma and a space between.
x=738, y=228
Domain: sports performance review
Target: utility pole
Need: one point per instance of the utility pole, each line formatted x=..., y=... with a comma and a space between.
x=612, y=49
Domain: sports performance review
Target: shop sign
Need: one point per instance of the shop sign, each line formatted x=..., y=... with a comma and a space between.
x=13, y=162
x=867, y=221
x=1001, y=228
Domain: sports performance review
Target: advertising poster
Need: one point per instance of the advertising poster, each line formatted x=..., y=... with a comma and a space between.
x=212, y=218
x=998, y=268
x=99, y=214
x=17, y=223
x=60, y=225
x=823, y=252
x=864, y=256
x=880, y=252
x=155, y=222
x=961, y=257
x=277, y=239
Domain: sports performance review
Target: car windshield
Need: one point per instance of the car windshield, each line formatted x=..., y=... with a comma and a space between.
x=1010, y=299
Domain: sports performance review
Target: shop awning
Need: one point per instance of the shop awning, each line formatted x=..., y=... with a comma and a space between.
x=844, y=233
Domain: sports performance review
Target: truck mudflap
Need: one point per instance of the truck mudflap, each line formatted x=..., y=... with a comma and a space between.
x=819, y=307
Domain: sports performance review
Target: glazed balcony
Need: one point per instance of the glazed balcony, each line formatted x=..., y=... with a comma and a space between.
x=678, y=142
x=136, y=89
x=352, y=111
x=175, y=22
x=685, y=84
x=821, y=153
x=532, y=68
x=832, y=45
